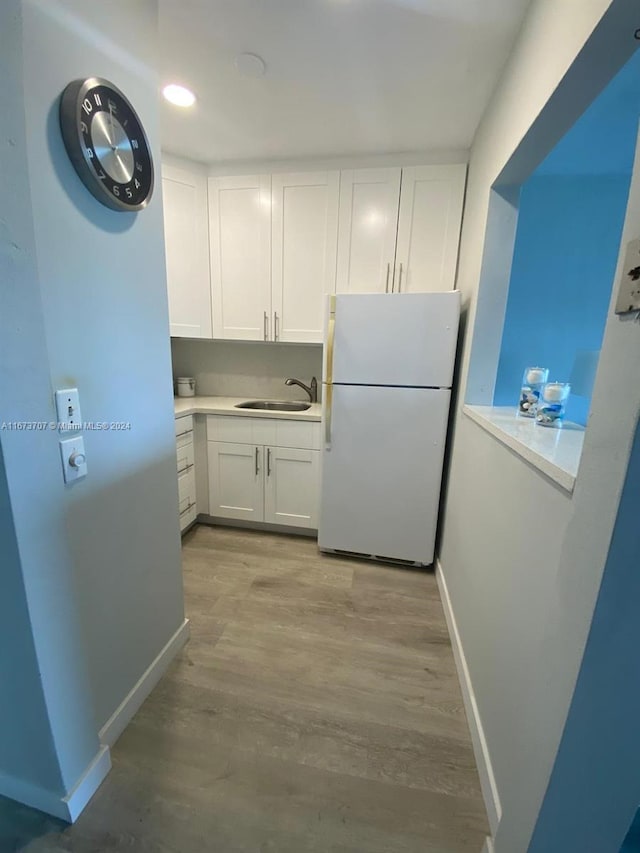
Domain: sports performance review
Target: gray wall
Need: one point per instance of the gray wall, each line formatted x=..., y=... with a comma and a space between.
x=27, y=751
x=36, y=566
x=107, y=269
x=523, y=559
x=242, y=369
x=83, y=303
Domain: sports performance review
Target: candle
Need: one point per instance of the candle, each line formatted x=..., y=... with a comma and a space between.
x=536, y=375
x=556, y=392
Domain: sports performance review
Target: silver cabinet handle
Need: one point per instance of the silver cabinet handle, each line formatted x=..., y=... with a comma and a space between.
x=386, y=286
x=187, y=432
x=257, y=466
x=400, y=279
x=268, y=461
x=276, y=326
x=186, y=468
x=266, y=327
x=191, y=506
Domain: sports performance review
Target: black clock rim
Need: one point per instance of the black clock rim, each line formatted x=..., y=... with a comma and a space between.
x=72, y=96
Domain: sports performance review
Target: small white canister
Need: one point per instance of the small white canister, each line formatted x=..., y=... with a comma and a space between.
x=186, y=386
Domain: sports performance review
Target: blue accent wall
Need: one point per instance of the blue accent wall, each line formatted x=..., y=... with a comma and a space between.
x=567, y=242
x=565, y=256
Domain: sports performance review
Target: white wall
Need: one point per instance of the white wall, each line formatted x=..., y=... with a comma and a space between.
x=84, y=303
x=243, y=369
x=522, y=558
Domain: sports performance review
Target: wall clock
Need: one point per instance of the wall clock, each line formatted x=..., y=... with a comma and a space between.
x=106, y=143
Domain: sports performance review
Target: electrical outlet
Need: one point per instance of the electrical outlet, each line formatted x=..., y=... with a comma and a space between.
x=629, y=289
x=68, y=409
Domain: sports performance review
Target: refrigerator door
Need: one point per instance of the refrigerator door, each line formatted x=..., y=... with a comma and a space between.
x=406, y=339
x=382, y=471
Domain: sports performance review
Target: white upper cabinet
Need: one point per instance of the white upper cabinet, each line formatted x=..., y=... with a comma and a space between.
x=240, y=240
x=187, y=254
x=431, y=201
x=303, y=259
x=368, y=224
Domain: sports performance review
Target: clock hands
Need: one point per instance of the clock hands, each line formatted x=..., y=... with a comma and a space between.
x=112, y=142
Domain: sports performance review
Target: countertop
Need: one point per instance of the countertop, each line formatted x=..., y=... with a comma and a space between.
x=555, y=452
x=226, y=406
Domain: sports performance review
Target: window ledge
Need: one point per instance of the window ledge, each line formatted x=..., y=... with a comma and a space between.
x=555, y=452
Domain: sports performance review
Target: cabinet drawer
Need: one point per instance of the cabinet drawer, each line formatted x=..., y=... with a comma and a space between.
x=268, y=431
x=303, y=434
x=184, y=426
x=187, y=498
x=241, y=430
x=185, y=456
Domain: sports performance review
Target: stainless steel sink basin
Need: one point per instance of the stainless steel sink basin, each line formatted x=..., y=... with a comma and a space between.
x=274, y=405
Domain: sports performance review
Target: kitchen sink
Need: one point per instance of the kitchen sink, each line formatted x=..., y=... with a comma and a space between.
x=274, y=405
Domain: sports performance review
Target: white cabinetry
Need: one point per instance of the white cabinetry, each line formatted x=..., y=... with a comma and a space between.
x=429, y=222
x=264, y=470
x=184, y=196
x=236, y=481
x=368, y=224
x=303, y=257
x=240, y=240
x=186, y=471
x=291, y=486
x=273, y=246
x=399, y=229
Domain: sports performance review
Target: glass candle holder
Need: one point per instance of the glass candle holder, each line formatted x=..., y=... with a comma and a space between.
x=533, y=380
x=551, y=406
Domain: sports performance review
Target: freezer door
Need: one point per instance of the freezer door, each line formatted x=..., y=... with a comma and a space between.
x=382, y=472
x=404, y=339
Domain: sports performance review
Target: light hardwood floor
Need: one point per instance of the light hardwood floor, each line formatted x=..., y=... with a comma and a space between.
x=316, y=709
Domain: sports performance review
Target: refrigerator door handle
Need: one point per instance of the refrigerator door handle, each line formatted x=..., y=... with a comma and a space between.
x=386, y=286
x=331, y=334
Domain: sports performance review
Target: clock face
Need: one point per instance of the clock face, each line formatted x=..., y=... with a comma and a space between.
x=106, y=143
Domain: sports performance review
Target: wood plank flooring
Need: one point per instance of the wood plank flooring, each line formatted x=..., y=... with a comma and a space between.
x=316, y=708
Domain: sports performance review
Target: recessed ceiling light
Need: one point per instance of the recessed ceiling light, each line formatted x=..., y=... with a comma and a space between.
x=179, y=95
x=250, y=64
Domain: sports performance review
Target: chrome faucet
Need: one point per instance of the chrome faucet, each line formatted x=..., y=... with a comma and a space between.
x=312, y=390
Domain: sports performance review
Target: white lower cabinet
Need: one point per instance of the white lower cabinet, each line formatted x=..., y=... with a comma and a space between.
x=264, y=482
x=291, y=486
x=185, y=458
x=236, y=483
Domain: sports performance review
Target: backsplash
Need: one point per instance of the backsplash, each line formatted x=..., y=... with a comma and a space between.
x=246, y=368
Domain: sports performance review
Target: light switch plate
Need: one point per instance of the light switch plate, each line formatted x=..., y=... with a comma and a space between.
x=629, y=289
x=68, y=409
x=70, y=450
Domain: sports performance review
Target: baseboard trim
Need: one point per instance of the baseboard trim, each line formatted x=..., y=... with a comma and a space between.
x=488, y=845
x=219, y=521
x=121, y=717
x=65, y=808
x=480, y=747
x=88, y=784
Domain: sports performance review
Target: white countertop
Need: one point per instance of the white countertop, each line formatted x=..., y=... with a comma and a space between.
x=555, y=452
x=226, y=406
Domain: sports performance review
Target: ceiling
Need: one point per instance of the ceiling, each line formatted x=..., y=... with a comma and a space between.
x=343, y=77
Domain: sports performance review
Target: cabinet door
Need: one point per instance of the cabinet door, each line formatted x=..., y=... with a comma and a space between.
x=304, y=244
x=429, y=228
x=240, y=239
x=367, y=228
x=184, y=198
x=292, y=486
x=236, y=481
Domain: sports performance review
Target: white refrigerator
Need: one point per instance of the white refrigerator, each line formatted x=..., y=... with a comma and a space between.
x=387, y=374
